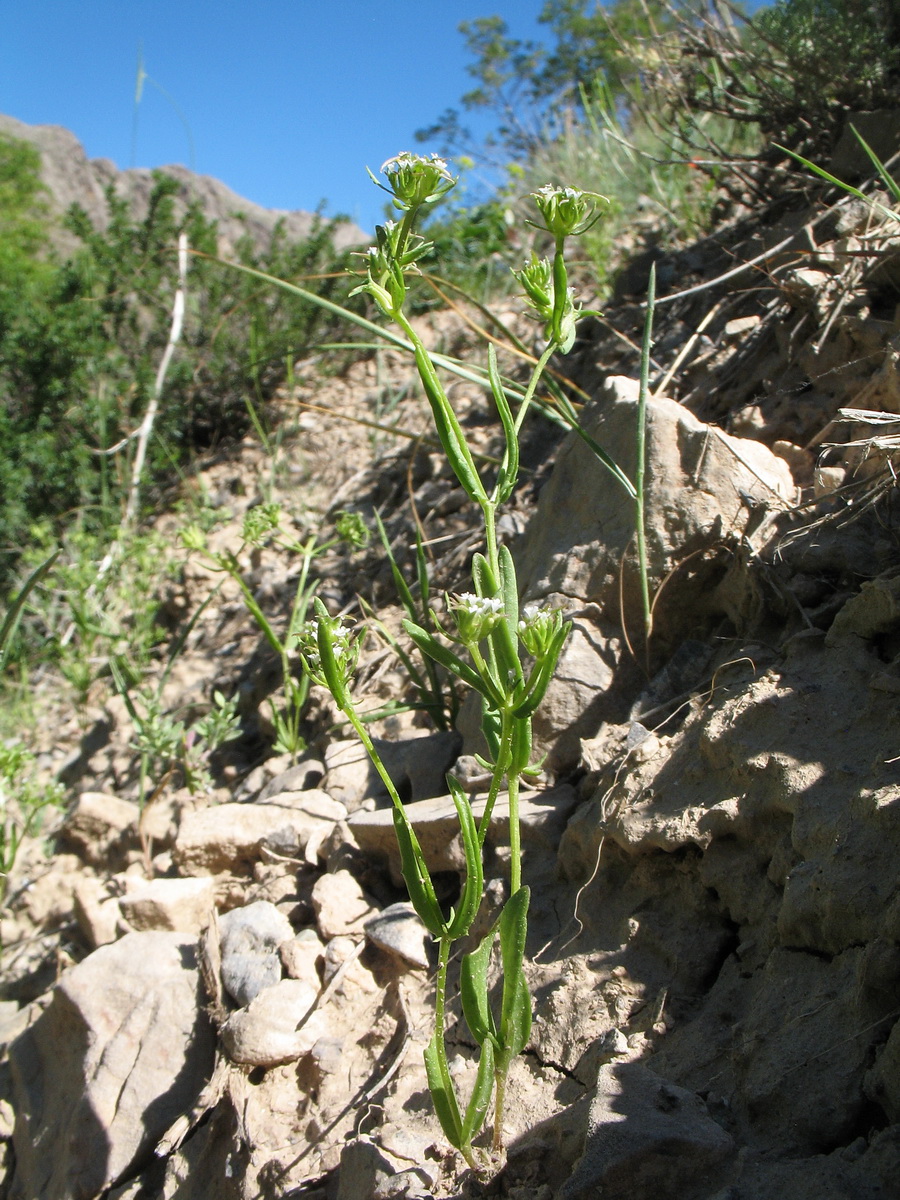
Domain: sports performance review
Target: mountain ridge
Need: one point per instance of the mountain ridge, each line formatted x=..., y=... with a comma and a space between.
x=70, y=177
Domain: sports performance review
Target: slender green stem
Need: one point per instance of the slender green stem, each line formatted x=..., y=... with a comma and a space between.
x=440, y=993
x=515, y=839
x=379, y=766
x=532, y=384
x=499, y=1102
x=641, y=459
x=501, y=766
x=490, y=536
x=560, y=288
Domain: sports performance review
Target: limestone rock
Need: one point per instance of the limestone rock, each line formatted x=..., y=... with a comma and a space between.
x=98, y=824
x=417, y=764
x=399, y=930
x=340, y=904
x=265, y=1033
x=121, y=1051
x=542, y=815
x=305, y=775
x=302, y=956
x=647, y=1139
x=177, y=904
x=228, y=837
x=96, y=911
x=364, y=1167
x=249, y=938
x=314, y=802
x=699, y=480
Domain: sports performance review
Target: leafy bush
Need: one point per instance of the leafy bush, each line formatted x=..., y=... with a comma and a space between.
x=81, y=339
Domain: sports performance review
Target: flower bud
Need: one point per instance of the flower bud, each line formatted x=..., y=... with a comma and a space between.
x=351, y=529
x=259, y=522
x=536, y=278
x=538, y=627
x=192, y=537
x=414, y=180
x=568, y=211
x=328, y=652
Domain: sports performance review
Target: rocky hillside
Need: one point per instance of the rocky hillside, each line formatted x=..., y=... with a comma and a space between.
x=224, y=995
x=72, y=178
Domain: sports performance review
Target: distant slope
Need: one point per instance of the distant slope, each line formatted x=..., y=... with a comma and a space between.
x=73, y=178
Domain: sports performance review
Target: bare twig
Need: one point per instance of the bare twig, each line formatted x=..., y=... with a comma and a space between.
x=146, y=427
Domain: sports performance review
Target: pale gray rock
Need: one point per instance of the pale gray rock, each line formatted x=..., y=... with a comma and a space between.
x=306, y=774
x=341, y=906
x=303, y=955
x=249, y=939
x=349, y=775
x=364, y=1168
x=399, y=930
x=229, y=837
x=646, y=1140
x=96, y=911
x=177, y=904
x=266, y=1033
x=699, y=480
x=417, y=764
x=122, y=1050
x=542, y=816
x=98, y=825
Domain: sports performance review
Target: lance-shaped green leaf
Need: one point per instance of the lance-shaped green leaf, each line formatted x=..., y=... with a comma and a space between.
x=539, y=680
x=429, y=645
x=470, y=897
x=441, y=1087
x=422, y=574
x=520, y=756
x=14, y=612
x=473, y=990
x=492, y=728
x=228, y=562
x=517, y=1017
x=509, y=467
x=448, y=427
x=513, y=927
x=505, y=636
x=480, y=1099
x=416, y=877
x=486, y=583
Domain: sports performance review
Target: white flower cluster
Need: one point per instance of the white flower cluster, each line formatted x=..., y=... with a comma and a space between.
x=406, y=160
x=476, y=616
x=478, y=606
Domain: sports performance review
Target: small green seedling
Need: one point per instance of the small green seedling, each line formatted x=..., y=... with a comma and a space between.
x=508, y=657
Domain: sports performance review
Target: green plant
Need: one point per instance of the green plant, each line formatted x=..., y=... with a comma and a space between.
x=22, y=798
x=82, y=337
x=436, y=694
x=505, y=656
x=166, y=746
x=77, y=621
x=23, y=801
x=263, y=524
x=884, y=175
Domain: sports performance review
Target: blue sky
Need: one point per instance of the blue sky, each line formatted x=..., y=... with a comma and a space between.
x=286, y=101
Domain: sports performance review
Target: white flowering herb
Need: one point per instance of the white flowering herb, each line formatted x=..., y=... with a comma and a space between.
x=506, y=657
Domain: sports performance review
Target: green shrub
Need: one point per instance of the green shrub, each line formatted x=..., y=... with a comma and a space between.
x=81, y=340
